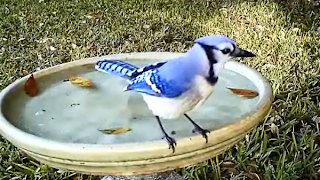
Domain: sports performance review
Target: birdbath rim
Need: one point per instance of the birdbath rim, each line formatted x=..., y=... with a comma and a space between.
x=91, y=158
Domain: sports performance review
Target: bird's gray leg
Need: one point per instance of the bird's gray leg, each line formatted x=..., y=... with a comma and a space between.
x=170, y=140
x=198, y=129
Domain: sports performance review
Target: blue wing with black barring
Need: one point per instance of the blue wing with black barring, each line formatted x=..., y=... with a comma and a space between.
x=151, y=83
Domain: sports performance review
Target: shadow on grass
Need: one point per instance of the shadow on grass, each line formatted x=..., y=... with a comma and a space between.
x=303, y=14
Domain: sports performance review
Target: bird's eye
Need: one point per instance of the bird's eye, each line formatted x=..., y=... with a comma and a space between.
x=225, y=51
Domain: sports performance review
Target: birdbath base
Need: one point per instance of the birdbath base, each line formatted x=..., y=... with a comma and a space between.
x=170, y=175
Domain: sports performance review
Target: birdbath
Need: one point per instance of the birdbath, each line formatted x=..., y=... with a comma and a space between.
x=63, y=125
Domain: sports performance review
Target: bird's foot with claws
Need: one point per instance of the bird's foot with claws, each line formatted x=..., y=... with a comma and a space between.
x=171, y=141
x=201, y=131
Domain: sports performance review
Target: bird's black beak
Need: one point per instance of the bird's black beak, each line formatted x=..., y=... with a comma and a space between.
x=242, y=53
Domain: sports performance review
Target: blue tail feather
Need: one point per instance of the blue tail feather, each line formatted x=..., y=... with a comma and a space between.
x=124, y=69
x=116, y=67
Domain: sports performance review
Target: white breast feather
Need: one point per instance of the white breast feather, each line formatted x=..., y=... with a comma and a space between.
x=170, y=108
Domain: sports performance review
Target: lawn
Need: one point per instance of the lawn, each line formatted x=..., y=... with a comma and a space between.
x=285, y=35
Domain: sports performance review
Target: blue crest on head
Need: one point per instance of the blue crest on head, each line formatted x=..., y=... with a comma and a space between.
x=213, y=40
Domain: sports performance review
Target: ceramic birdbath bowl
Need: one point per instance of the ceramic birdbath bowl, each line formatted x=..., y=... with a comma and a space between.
x=61, y=126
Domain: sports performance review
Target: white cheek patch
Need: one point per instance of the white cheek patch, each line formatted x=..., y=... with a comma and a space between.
x=221, y=60
x=225, y=45
x=220, y=57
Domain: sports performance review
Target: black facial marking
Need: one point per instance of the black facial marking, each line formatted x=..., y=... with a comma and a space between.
x=208, y=50
x=212, y=79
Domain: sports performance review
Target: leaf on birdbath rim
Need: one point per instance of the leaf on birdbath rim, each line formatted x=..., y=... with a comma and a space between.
x=81, y=81
x=30, y=86
x=120, y=130
x=244, y=92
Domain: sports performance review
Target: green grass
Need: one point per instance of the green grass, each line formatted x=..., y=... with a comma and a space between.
x=285, y=36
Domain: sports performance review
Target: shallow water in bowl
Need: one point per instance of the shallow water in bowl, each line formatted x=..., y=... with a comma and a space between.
x=69, y=113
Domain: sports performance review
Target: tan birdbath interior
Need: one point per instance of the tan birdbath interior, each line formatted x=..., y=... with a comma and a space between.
x=62, y=125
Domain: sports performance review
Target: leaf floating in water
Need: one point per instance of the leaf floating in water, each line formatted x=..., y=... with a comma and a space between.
x=84, y=82
x=30, y=87
x=116, y=130
x=244, y=92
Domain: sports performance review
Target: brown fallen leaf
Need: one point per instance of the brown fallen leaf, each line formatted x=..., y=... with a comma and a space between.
x=93, y=49
x=76, y=177
x=84, y=82
x=232, y=171
x=244, y=92
x=22, y=153
x=30, y=87
x=97, y=16
x=24, y=73
x=227, y=164
x=253, y=176
x=116, y=130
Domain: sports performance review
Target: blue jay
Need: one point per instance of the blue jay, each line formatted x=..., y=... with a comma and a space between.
x=173, y=88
